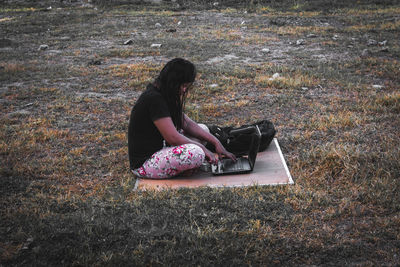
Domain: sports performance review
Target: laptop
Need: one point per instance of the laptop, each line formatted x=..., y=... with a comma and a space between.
x=243, y=164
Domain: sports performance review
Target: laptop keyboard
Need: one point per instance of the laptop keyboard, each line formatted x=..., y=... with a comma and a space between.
x=231, y=165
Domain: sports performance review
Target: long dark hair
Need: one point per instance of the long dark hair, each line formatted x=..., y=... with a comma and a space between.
x=175, y=73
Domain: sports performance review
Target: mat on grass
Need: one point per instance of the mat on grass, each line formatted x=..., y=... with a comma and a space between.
x=270, y=169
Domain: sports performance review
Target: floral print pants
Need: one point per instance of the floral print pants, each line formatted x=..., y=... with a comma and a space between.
x=171, y=161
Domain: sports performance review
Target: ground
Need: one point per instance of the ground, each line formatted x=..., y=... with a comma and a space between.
x=326, y=74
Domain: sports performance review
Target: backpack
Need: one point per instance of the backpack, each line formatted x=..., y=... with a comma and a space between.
x=239, y=144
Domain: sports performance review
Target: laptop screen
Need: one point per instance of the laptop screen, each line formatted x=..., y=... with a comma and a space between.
x=255, y=144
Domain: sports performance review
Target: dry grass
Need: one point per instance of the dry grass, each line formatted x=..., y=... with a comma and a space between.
x=380, y=26
x=135, y=75
x=12, y=68
x=272, y=77
x=378, y=11
x=299, y=30
x=291, y=81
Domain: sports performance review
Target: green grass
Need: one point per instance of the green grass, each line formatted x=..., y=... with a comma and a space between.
x=66, y=193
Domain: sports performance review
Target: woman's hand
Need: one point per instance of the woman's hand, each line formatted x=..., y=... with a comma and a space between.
x=221, y=151
x=210, y=156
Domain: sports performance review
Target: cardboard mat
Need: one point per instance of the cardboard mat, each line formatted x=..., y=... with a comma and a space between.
x=270, y=169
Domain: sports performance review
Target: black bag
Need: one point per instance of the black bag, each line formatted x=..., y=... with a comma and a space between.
x=239, y=144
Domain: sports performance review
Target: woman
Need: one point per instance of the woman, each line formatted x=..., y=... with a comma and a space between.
x=159, y=146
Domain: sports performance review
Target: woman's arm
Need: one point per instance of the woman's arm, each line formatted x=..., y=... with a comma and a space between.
x=193, y=129
x=174, y=138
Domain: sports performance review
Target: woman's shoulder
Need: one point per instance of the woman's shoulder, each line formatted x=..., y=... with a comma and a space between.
x=150, y=94
x=151, y=90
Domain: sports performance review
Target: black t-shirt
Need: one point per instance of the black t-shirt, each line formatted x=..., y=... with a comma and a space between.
x=144, y=139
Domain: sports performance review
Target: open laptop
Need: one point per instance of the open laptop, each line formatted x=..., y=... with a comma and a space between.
x=243, y=164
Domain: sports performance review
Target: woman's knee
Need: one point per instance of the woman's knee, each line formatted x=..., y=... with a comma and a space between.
x=196, y=153
x=204, y=127
x=171, y=161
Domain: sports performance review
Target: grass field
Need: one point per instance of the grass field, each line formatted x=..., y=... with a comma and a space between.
x=66, y=193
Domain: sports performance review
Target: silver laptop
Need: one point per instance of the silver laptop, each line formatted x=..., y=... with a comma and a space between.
x=243, y=164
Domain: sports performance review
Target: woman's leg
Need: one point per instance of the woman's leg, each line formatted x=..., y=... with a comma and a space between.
x=171, y=161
